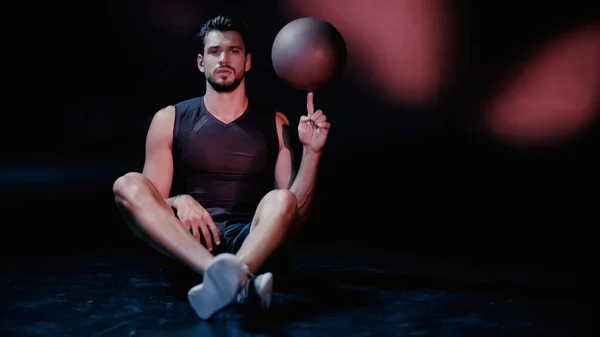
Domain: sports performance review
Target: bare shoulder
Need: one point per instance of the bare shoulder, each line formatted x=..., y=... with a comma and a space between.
x=165, y=115
x=281, y=119
x=163, y=120
x=161, y=127
x=281, y=123
x=283, y=132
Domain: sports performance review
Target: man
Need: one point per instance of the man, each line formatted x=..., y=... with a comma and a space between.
x=206, y=196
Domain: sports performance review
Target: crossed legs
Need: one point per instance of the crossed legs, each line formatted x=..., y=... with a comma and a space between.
x=152, y=220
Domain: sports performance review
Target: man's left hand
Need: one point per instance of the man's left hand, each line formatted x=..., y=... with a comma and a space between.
x=314, y=127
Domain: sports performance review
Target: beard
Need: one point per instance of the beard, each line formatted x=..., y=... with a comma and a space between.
x=225, y=86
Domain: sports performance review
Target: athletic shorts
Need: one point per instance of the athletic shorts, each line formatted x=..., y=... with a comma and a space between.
x=234, y=229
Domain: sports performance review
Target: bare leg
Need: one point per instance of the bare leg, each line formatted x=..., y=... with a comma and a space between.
x=272, y=225
x=153, y=220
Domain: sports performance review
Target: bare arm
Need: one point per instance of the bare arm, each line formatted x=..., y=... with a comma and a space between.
x=158, y=166
x=304, y=183
x=284, y=169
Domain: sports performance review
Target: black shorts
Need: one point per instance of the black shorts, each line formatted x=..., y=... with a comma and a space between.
x=234, y=229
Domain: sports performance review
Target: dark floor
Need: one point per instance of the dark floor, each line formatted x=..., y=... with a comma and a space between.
x=340, y=292
x=64, y=274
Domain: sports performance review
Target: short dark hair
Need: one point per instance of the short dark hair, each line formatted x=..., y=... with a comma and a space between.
x=224, y=23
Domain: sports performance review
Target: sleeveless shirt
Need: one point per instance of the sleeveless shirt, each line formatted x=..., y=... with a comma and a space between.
x=227, y=167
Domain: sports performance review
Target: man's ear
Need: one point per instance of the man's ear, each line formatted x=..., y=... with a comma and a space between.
x=200, y=61
x=248, y=62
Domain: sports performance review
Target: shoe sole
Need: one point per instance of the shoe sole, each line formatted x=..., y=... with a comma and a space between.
x=219, y=287
x=265, y=290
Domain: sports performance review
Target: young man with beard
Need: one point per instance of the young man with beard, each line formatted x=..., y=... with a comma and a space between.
x=206, y=195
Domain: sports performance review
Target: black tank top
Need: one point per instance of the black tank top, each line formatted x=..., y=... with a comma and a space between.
x=227, y=168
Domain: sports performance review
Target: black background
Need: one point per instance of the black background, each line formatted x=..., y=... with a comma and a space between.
x=87, y=79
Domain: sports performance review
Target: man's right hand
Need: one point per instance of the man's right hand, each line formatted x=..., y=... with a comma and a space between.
x=196, y=219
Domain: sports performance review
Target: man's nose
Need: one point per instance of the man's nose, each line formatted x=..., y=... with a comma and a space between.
x=223, y=59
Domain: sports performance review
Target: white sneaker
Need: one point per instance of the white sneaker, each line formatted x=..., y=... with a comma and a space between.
x=222, y=282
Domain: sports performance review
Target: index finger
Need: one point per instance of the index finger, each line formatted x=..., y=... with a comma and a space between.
x=310, y=105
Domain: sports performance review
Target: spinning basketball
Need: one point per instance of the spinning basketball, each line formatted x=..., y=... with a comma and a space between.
x=308, y=53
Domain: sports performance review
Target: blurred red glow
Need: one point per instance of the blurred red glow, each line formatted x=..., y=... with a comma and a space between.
x=554, y=96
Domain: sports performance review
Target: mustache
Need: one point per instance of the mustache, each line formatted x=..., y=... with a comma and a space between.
x=224, y=67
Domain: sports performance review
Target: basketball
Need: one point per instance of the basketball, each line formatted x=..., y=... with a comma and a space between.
x=308, y=54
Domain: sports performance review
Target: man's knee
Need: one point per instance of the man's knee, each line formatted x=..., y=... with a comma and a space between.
x=133, y=194
x=131, y=187
x=281, y=202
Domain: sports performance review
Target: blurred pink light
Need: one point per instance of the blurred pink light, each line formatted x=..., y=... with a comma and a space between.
x=555, y=96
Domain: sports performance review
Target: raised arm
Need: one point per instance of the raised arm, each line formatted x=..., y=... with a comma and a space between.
x=158, y=165
x=300, y=181
x=312, y=131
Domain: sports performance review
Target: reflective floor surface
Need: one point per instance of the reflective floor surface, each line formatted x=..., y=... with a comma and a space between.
x=330, y=291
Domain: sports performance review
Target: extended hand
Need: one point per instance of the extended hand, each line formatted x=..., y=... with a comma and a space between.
x=196, y=219
x=314, y=127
